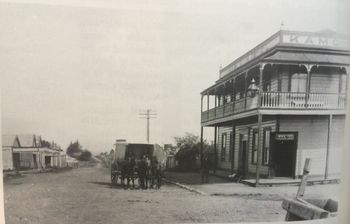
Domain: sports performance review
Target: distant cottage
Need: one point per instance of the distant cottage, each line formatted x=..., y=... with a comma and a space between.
x=22, y=152
x=280, y=103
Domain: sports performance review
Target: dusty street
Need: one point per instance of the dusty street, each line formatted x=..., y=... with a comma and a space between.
x=84, y=195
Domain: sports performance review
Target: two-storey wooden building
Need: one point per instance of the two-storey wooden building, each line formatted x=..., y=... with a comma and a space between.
x=280, y=103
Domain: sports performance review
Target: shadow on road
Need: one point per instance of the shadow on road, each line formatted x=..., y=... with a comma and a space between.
x=192, y=178
x=108, y=184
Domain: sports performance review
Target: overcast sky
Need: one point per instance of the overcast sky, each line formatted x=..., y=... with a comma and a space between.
x=85, y=69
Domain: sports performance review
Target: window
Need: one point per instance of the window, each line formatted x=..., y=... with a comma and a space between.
x=298, y=83
x=342, y=84
x=255, y=146
x=266, y=148
x=231, y=147
x=223, y=147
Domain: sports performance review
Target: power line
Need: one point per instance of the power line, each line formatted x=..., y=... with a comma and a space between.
x=148, y=114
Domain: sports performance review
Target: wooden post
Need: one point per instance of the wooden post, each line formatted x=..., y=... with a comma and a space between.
x=306, y=171
x=201, y=103
x=233, y=146
x=245, y=90
x=308, y=69
x=233, y=95
x=258, y=162
x=223, y=100
x=201, y=149
x=215, y=149
x=215, y=102
x=208, y=105
x=330, y=120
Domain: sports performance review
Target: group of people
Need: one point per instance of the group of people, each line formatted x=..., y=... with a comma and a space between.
x=147, y=169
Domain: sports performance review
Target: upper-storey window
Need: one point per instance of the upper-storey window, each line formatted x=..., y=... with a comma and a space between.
x=298, y=82
x=342, y=83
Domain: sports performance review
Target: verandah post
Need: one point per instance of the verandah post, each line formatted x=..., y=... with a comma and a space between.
x=201, y=149
x=258, y=162
x=215, y=148
x=208, y=105
x=308, y=78
x=233, y=146
x=330, y=120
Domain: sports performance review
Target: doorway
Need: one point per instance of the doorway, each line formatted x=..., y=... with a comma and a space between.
x=35, y=162
x=47, y=161
x=16, y=161
x=284, y=151
x=243, y=156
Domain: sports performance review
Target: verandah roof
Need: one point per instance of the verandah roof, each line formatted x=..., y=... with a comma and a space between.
x=300, y=57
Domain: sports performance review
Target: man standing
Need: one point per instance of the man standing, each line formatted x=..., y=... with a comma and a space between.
x=142, y=171
x=131, y=170
x=205, y=169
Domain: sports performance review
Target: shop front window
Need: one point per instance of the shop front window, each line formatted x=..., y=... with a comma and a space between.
x=266, y=148
x=223, y=147
x=255, y=146
x=231, y=147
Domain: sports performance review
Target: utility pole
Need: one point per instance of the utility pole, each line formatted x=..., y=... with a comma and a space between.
x=148, y=114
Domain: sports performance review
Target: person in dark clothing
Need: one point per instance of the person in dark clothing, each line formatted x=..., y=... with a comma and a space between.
x=153, y=171
x=148, y=171
x=114, y=169
x=205, y=169
x=131, y=170
x=142, y=172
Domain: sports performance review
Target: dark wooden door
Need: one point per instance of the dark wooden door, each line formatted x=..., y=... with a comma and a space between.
x=284, y=148
x=243, y=156
x=47, y=161
x=35, y=162
x=16, y=161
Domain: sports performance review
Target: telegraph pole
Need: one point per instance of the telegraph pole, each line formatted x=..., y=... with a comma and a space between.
x=148, y=114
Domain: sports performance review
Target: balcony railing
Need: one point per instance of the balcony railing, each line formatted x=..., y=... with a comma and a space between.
x=279, y=100
x=288, y=100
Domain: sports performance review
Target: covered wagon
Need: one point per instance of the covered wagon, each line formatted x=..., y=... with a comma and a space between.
x=125, y=151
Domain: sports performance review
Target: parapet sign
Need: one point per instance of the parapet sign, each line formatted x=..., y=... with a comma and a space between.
x=284, y=137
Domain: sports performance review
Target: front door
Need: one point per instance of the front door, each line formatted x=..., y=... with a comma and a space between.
x=284, y=148
x=47, y=161
x=243, y=156
x=16, y=161
x=35, y=162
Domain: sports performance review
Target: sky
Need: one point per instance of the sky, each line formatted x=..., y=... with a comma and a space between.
x=83, y=70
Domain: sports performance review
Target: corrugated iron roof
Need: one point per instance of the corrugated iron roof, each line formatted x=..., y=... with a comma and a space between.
x=8, y=140
x=27, y=140
x=309, y=57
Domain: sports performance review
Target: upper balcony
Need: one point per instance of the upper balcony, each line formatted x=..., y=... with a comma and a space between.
x=278, y=101
x=277, y=89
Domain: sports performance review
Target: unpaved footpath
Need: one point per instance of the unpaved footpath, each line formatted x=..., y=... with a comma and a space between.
x=84, y=195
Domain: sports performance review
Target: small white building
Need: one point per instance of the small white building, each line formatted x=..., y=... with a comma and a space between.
x=8, y=143
x=27, y=152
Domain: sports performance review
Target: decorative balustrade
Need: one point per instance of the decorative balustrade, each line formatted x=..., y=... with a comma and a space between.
x=228, y=108
x=279, y=100
x=288, y=100
x=239, y=105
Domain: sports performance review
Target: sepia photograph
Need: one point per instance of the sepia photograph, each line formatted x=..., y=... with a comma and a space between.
x=175, y=111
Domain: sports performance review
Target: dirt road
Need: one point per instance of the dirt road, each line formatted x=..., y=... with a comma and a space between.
x=84, y=195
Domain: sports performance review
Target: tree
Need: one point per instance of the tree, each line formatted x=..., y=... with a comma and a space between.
x=85, y=155
x=74, y=149
x=189, y=151
x=189, y=146
x=45, y=143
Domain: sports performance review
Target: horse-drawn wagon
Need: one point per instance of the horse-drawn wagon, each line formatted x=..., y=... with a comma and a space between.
x=128, y=157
